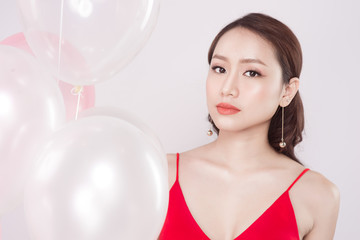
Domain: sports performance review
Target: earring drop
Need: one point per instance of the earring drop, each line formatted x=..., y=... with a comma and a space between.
x=210, y=132
x=282, y=144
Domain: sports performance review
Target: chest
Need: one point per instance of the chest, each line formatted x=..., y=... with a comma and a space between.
x=276, y=222
x=225, y=211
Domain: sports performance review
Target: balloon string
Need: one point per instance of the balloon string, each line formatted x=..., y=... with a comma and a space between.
x=77, y=90
x=60, y=36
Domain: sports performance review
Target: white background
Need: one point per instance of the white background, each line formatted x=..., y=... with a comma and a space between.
x=165, y=85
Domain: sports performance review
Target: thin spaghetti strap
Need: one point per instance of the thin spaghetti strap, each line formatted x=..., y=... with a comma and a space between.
x=302, y=173
x=177, y=166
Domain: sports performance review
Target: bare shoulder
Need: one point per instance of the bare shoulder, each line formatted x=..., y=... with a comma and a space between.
x=326, y=191
x=171, y=159
x=321, y=198
x=184, y=156
x=313, y=187
x=320, y=193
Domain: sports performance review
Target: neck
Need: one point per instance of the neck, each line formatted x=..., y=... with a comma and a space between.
x=246, y=148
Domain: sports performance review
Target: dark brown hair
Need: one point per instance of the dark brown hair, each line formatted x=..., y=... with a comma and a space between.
x=288, y=53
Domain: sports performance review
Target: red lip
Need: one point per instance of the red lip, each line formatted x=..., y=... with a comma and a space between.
x=227, y=109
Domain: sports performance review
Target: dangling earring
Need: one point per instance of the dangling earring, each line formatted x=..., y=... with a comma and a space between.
x=210, y=132
x=282, y=144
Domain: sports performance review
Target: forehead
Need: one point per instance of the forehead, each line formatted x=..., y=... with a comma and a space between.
x=240, y=43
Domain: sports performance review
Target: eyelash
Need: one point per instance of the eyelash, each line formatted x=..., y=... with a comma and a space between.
x=218, y=69
x=254, y=72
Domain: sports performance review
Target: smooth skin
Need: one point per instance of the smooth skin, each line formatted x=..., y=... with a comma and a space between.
x=229, y=183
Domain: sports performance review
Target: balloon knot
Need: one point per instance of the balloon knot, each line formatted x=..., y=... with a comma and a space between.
x=77, y=90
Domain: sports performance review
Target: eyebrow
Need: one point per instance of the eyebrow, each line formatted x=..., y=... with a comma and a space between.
x=243, y=60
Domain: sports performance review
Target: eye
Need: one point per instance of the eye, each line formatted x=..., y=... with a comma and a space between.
x=252, y=74
x=219, y=69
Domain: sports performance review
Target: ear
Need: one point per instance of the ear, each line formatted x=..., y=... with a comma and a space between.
x=289, y=91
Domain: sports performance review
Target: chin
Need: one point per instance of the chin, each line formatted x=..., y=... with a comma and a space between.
x=228, y=126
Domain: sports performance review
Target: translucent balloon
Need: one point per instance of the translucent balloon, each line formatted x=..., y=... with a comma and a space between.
x=69, y=92
x=31, y=107
x=99, y=178
x=86, y=41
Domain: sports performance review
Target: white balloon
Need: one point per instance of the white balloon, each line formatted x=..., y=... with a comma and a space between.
x=126, y=116
x=84, y=42
x=99, y=178
x=31, y=107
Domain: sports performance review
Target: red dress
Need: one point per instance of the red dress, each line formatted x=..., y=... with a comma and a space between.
x=276, y=223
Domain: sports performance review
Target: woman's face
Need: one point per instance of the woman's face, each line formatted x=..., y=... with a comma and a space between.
x=244, y=73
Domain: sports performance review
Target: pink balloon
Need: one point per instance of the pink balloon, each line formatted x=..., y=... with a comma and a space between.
x=17, y=40
x=87, y=98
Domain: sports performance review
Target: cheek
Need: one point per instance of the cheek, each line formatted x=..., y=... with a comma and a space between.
x=252, y=92
x=263, y=96
x=211, y=89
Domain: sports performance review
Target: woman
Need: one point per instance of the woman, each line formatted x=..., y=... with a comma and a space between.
x=248, y=183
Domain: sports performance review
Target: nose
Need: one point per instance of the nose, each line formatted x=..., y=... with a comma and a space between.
x=230, y=87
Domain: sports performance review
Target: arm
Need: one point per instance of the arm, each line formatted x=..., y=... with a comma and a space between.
x=325, y=209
